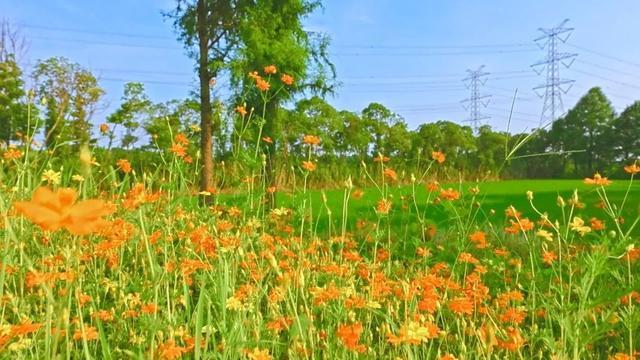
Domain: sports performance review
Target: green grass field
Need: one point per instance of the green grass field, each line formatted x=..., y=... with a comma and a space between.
x=494, y=198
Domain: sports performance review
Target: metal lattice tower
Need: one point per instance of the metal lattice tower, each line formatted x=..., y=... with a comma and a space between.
x=554, y=86
x=474, y=80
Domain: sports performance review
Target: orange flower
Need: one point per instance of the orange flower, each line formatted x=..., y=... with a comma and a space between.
x=449, y=194
x=271, y=69
x=25, y=328
x=124, y=165
x=433, y=186
x=461, y=305
x=262, y=85
x=632, y=169
x=55, y=210
x=438, y=156
x=596, y=224
x=308, y=165
x=479, y=238
x=90, y=333
x=179, y=150
x=181, y=139
x=12, y=154
x=597, y=180
x=241, y=110
x=104, y=128
x=381, y=158
x=170, y=351
x=149, y=308
x=267, y=139
x=391, y=174
x=286, y=79
x=311, y=140
x=357, y=194
x=350, y=336
x=383, y=206
x=549, y=257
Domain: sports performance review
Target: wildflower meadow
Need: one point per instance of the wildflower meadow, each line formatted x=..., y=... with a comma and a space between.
x=246, y=229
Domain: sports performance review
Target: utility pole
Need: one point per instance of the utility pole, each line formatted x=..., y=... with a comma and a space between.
x=554, y=86
x=474, y=80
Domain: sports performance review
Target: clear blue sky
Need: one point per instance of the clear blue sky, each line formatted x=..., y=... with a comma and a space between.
x=408, y=55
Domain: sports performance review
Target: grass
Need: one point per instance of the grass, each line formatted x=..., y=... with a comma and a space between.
x=494, y=198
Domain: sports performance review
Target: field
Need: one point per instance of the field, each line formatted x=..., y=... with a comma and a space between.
x=144, y=269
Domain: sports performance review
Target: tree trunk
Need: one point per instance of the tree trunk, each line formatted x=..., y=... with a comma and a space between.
x=206, y=133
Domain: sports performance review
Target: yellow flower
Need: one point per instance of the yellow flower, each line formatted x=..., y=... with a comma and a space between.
x=77, y=178
x=52, y=177
x=545, y=234
x=578, y=226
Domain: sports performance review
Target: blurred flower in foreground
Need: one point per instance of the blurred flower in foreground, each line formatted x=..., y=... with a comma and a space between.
x=56, y=210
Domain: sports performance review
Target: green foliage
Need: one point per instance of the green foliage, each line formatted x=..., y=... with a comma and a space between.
x=13, y=103
x=71, y=95
x=134, y=108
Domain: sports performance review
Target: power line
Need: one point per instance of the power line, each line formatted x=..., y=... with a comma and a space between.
x=474, y=80
x=611, y=57
x=555, y=86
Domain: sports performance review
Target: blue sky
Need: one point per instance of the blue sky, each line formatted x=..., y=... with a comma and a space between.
x=408, y=55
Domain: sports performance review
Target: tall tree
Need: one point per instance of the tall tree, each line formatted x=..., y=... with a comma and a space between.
x=585, y=128
x=13, y=106
x=209, y=30
x=131, y=113
x=71, y=94
x=272, y=33
x=626, y=134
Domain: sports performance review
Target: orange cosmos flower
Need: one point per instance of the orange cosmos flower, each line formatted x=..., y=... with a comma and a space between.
x=181, y=139
x=381, y=158
x=179, y=150
x=433, y=186
x=124, y=165
x=391, y=174
x=549, y=257
x=12, y=154
x=349, y=335
x=25, y=328
x=597, y=180
x=90, y=333
x=632, y=169
x=357, y=194
x=170, y=351
x=56, y=210
x=308, y=165
x=286, y=79
x=149, y=308
x=449, y=194
x=596, y=224
x=241, y=110
x=267, y=139
x=311, y=140
x=383, y=206
x=479, y=238
x=438, y=156
x=271, y=69
x=104, y=128
x=461, y=305
x=262, y=85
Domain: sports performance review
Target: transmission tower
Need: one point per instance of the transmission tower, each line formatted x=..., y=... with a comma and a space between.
x=554, y=86
x=474, y=80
